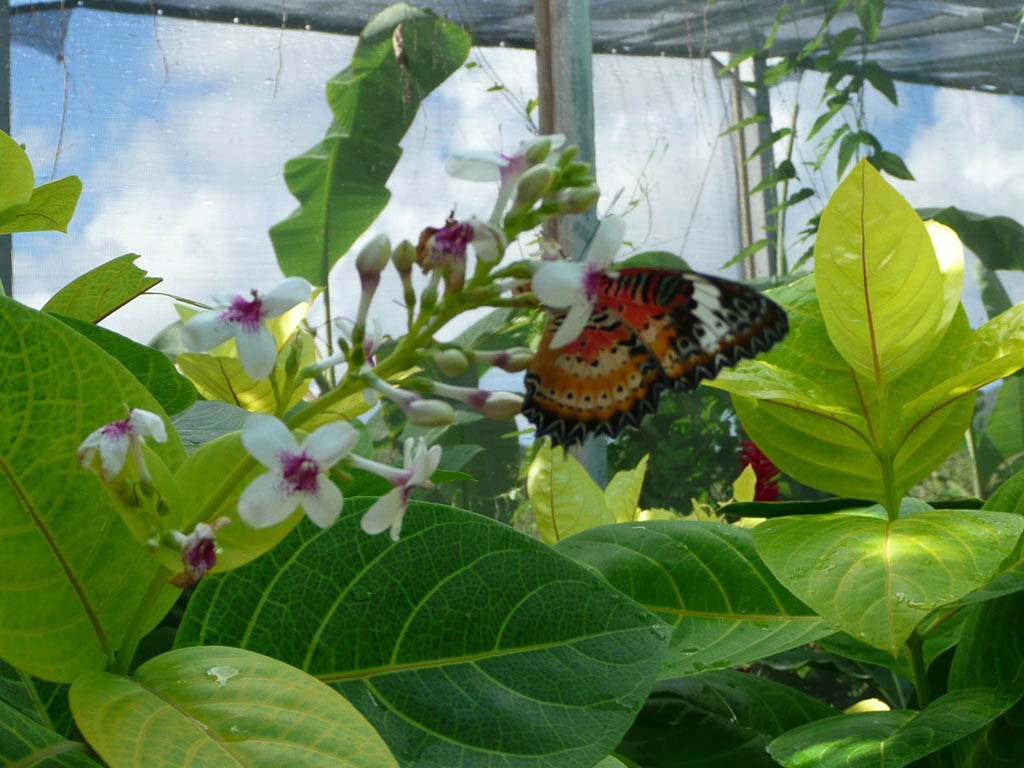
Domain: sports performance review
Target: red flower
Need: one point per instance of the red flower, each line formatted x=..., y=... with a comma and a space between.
x=767, y=488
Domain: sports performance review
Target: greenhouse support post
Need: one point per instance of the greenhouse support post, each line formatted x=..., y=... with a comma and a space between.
x=565, y=104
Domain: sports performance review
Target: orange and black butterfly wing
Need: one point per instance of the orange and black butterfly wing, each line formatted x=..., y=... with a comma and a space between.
x=650, y=330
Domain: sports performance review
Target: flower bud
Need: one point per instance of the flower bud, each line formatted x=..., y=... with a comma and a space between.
x=404, y=256
x=537, y=150
x=578, y=199
x=512, y=360
x=533, y=185
x=501, y=406
x=452, y=362
x=488, y=241
x=430, y=413
x=374, y=256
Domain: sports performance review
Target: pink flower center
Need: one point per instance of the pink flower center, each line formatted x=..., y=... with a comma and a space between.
x=244, y=312
x=200, y=558
x=592, y=281
x=300, y=473
x=115, y=430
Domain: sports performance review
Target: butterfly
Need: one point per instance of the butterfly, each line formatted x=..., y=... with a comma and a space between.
x=650, y=330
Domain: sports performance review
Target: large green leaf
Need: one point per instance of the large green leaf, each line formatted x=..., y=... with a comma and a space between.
x=704, y=580
x=48, y=210
x=877, y=277
x=891, y=739
x=724, y=718
x=819, y=426
x=222, y=706
x=402, y=55
x=97, y=293
x=152, y=368
x=24, y=742
x=465, y=643
x=72, y=573
x=207, y=420
x=990, y=654
x=877, y=579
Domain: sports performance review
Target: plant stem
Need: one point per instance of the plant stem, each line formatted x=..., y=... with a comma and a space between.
x=972, y=451
x=130, y=643
x=781, y=264
x=942, y=758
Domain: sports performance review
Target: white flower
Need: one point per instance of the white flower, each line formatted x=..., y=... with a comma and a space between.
x=389, y=510
x=574, y=285
x=483, y=165
x=243, y=317
x=298, y=474
x=113, y=442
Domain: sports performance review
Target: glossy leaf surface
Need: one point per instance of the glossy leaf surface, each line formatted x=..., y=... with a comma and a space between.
x=876, y=579
x=24, y=742
x=462, y=640
x=71, y=572
x=891, y=739
x=707, y=583
x=222, y=706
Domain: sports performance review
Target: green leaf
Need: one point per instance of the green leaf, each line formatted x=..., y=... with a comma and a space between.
x=776, y=72
x=770, y=509
x=24, y=742
x=755, y=118
x=890, y=163
x=222, y=706
x=707, y=583
x=993, y=294
x=784, y=171
x=16, y=171
x=724, y=718
x=893, y=739
x=797, y=197
x=463, y=641
x=989, y=654
x=207, y=420
x=653, y=260
x=998, y=241
x=565, y=499
x=902, y=569
x=747, y=252
x=881, y=81
x=738, y=59
x=44, y=702
x=869, y=13
x=1004, y=431
x=877, y=277
x=812, y=420
x=100, y=291
x=340, y=182
x=66, y=550
x=767, y=143
x=847, y=147
x=49, y=209
x=993, y=351
x=622, y=494
x=153, y=369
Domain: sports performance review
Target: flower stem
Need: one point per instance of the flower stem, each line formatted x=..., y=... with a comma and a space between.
x=130, y=642
x=942, y=758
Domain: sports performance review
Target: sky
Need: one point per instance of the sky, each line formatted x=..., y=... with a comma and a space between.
x=180, y=130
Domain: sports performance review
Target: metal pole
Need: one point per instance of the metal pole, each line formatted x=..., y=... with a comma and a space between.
x=565, y=104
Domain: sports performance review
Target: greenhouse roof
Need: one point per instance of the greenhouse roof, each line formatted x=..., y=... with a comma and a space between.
x=954, y=44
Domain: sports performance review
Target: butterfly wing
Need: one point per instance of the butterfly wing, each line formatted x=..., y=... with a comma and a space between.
x=650, y=330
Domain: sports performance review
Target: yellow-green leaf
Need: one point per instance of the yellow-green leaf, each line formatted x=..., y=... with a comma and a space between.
x=564, y=497
x=949, y=254
x=217, y=706
x=16, y=172
x=100, y=291
x=623, y=492
x=877, y=277
x=745, y=486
